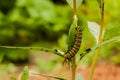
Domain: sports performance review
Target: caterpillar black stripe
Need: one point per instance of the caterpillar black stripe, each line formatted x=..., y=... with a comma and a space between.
x=77, y=43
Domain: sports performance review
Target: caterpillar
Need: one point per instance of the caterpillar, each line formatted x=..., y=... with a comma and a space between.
x=77, y=43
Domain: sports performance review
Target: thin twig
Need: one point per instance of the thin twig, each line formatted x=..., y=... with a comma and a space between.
x=73, y=66
x=44, y=75
x=99, y=40
x=74, y=6
x=55, y=51
x=74, y=58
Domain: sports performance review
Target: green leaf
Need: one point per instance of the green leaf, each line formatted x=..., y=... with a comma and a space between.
x=94, y=29
x=112, y=32
x=106, y=42
x=25, y=74
x=78, y=22
x=41, y=9
x=81, y=21
x=62, y=42
x=78, y=2
x=97, y=46
x=71, y=35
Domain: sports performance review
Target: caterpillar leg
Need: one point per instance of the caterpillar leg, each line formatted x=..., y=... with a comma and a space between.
x=66, y=63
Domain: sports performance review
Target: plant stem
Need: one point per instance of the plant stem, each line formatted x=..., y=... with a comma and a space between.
x=102, y=21
x=74, y=6
x=99, y=40
x=74, y=58
x=57, y=52
x=106, y=42
x=73, y=67
x=44, y=75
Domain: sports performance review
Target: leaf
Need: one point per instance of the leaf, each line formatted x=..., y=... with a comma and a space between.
x=41, y=9
x=106, y=42
x=71, y=35
x=94, y=29
x=62, y=42
x=78, y=2
x=25, y=74
x=81, y=21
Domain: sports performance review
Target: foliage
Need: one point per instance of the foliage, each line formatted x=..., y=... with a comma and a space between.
x=29, y=22
x=111, y=22
x=25, y=74
x=71, y=35
x=94, y=29
x=78, y=2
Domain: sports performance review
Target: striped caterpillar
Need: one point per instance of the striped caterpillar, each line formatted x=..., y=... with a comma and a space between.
x=77, y=43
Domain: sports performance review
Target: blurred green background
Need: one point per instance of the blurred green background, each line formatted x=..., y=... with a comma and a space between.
x=45, y=23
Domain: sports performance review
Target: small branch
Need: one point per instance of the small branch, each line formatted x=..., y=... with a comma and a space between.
x=74, y=6
x=99, y=40
x=44, y=75
x=73, y=66
x=106, y=42
x=74, y=58
x=102, y=21
x=57, y=52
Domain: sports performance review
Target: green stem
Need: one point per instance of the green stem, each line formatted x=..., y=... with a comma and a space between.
x=74, y=58
x=74, y=6
x=73, y=67
x=57, y=52
x=99, y=40
x=44, y=75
